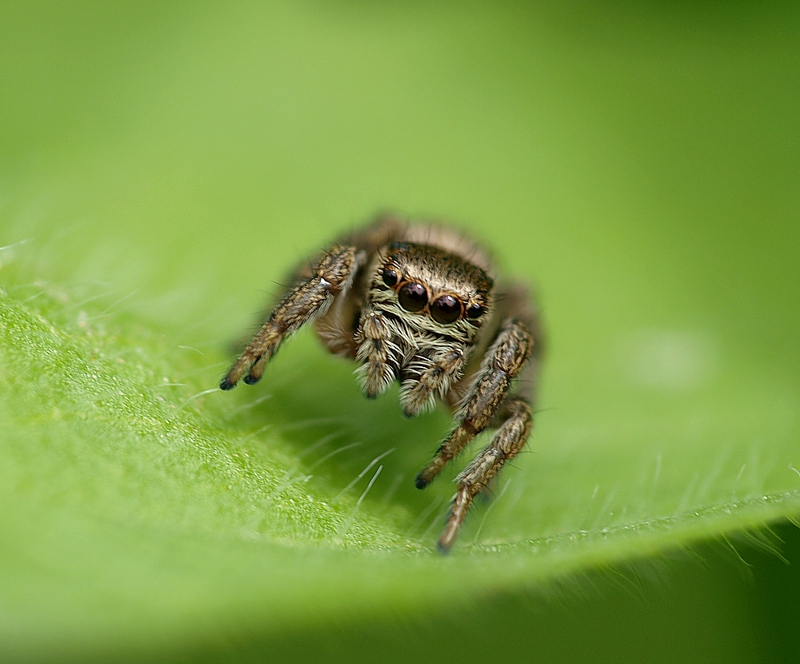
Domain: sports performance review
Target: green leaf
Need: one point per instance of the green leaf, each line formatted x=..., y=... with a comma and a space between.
x=162, y=168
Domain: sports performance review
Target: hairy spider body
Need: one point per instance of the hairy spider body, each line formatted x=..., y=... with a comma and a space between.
x=418, y=303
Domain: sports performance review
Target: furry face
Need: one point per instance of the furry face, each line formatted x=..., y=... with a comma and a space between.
x=423, y=313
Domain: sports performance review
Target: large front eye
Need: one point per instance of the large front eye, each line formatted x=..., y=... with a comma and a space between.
x=446, y=309
x=413, y=297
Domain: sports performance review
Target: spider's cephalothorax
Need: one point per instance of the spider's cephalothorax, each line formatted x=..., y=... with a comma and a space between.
x=423, y=313
x=418, y=303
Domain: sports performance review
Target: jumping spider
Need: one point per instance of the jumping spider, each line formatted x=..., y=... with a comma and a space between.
x=418, y=303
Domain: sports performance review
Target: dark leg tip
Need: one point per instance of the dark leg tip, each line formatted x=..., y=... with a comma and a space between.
x=251, y=380
x=444, y=549
x=226, y=385
x=421, y=482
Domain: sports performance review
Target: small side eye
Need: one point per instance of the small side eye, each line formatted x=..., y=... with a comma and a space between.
x=475, y=311
x=390, y=276
x=413, y=297
x=446, y=309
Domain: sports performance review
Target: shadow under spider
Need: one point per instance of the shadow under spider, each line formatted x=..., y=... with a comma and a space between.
x=349, y=444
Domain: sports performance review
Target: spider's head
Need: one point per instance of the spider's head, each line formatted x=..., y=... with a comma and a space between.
x=432, y=290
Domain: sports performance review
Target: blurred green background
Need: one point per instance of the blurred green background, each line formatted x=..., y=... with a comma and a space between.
x=162, y=165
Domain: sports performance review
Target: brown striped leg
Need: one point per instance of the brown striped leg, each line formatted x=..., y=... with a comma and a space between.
x=504, y=360
x=506, y=443
x=308, y=298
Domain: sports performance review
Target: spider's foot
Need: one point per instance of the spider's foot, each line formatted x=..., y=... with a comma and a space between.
x=429, y=473
x=257, y=369
x=422, y=481
x=226, y=384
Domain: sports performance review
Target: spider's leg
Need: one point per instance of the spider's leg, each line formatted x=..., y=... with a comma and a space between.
x=504, y=360
x=434, y=376
x=310, y=297
x=506, y=443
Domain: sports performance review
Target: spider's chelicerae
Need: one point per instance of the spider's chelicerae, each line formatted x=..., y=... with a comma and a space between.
x=419, y=303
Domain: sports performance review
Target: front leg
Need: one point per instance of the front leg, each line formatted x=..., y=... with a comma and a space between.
x=308, y=298
x=506, y=443
x=504, y=360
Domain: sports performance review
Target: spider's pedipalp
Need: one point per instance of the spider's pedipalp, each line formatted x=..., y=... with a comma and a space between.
x=418, y=394
x=378, y=354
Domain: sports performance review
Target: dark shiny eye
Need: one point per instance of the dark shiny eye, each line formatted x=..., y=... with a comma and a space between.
x=413, y=297
x=475, y=311
x=390, y=276
x=446, y=309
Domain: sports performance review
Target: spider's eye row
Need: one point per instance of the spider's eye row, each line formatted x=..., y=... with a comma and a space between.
x=390, y=276
x=475, y=311
x=413, y=296
x=446, y=309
